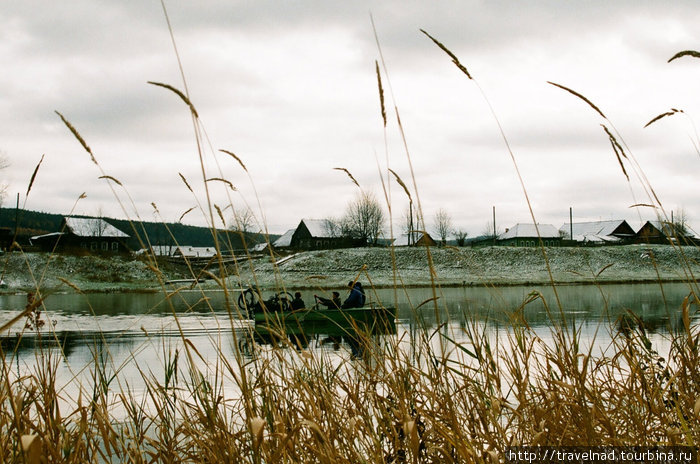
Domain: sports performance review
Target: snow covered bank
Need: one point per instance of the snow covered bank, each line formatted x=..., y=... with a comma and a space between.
x=333, y=268
x=483, y=266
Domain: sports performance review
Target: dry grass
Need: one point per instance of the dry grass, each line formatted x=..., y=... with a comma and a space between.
x=420, y=404
x=451, y=393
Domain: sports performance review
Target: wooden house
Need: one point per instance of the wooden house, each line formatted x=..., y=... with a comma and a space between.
x=599, y=232
x=664, y=233
x=285, y=240
x=316, y=234
x=526, y=235
x=84, y=234
x=414, y=239
x=194, y=252
x=654, y=232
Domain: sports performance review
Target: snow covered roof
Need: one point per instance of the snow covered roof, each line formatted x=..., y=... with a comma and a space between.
x=52, y=234
x=663, y=227
x=92, y=227
x=195, y=252
x=258, y=247
x=529, y=231
x=596, y=231
x=158, y=250
x=402, y=240
x=318, y=228
x=285, y=240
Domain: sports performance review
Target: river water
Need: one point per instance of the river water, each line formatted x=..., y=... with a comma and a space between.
x=135, y=334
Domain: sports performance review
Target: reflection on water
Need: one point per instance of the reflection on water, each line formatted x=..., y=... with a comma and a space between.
x=134, y=334
x=656, y=305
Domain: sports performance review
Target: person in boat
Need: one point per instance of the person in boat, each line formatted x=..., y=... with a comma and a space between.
x=356, y=298
x=330, y=303
x=297, y=302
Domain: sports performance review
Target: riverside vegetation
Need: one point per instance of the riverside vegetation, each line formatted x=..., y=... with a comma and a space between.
x=438, y=401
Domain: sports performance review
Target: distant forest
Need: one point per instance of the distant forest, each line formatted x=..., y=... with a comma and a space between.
x=30, y=223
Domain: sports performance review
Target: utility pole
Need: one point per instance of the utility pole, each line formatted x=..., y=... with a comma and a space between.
x=14, y=239
x=410, y=223
x=494, y=225
x=571, y=224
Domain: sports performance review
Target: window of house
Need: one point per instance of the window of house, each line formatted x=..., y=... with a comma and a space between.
x=115, y=246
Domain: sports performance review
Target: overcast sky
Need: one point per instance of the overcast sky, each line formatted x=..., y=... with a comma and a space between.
x=290, y=88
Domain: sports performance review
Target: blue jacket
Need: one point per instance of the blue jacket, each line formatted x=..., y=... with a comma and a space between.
x=356, y=299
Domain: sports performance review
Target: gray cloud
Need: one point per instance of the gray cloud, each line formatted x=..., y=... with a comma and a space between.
x=290, y=87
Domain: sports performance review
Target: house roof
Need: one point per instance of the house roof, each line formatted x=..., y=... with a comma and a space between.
x=595, y=231
x=402, y=240
x=157, y=250
x=259, y=247
x=663, y=227
x=92, y=227
x=285, y=240
x=52, y=234
x=196, y=252
x=529, y=231
x=318, y=228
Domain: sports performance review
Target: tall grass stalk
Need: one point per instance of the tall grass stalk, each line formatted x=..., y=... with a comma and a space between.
x=442, y=391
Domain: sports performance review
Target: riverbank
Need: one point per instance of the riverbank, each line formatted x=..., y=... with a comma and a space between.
x=483, y=266
x=25, y=272
x=333, y=268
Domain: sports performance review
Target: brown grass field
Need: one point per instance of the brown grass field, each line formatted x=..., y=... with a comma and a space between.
x=438, y=400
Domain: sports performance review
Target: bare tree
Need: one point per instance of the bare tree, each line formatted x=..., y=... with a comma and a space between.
x=4, y=163
x=98, y=226
x=243, y=220
x=333, y=227
x=680, y=223
x=461, y=236
x=409, y=224
x=364, y=219
x=407, y=221
x=489, y=231
x=443, y=224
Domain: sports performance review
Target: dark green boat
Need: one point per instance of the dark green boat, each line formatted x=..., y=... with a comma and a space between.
x=275, y=317
x=366, y=315
x=351, y=325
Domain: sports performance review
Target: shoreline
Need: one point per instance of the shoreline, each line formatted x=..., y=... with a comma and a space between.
x=332, y=269
x=152, y=290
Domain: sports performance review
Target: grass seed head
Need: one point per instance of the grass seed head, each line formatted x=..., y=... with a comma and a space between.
x=230, y=153
x=77, y=135
x=573, y=92
x=179, y=94
x=455, y=60
x=257, y=427
x=692, y=53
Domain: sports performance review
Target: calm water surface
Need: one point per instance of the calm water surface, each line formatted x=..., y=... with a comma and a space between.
x=134, y=333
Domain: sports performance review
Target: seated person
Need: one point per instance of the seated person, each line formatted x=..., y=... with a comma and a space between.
x=356, y=298
x=333, y=303
x=297, y=302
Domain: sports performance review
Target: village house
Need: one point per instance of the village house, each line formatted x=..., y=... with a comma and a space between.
x=654, y=232
x=414, y=239
x=84, y=234
x=317, y=234
x=664, y=232
x=194, y=252
x=525, y=235
x=598, y=232
x=285, y=240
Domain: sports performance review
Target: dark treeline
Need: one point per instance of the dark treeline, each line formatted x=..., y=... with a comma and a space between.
x=30, y=223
